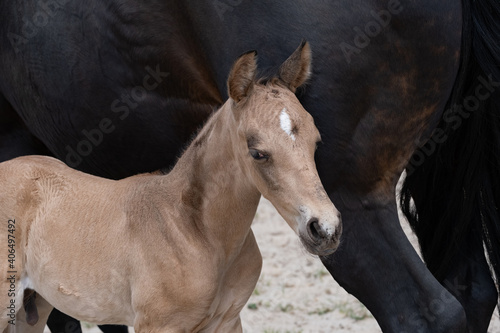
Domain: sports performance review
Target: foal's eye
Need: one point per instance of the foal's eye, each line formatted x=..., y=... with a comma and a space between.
x=258, y=155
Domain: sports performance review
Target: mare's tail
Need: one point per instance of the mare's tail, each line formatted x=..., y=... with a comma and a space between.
x=456, y=190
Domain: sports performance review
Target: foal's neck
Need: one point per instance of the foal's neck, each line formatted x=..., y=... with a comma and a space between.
x=216, y=194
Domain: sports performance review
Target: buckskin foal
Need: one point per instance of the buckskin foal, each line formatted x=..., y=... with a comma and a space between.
x=169, y=252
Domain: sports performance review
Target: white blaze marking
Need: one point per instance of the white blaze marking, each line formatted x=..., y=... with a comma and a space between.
x=286, y=123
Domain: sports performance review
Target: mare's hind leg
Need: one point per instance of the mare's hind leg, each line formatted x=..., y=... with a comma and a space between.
x=471, y=283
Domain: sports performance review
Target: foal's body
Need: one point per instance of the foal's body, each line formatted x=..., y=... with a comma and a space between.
x=172, y=252
x=187, y=244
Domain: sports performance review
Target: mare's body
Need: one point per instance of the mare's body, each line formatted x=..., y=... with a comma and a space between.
x=375, y=98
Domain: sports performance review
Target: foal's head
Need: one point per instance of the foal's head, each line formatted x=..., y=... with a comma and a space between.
x=276, y=140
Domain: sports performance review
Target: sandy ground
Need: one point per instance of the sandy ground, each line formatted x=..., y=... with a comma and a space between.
x=295, y=293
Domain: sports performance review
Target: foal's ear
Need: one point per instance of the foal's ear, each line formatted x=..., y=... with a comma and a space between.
x=295, y=71
x=242, y=76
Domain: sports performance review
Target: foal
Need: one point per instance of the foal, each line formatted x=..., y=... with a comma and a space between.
x=174, y=252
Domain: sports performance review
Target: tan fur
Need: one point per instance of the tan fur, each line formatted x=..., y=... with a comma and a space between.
x=292, y=75
x=242, y=75
x=166, y=253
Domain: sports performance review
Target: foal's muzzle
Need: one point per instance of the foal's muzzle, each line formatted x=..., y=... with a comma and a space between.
x=322, y=237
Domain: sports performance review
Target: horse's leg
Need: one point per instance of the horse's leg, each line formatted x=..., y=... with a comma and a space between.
x=471, y=283
x=242, y=277
x=59, y=322
x=377, y=264
x=232, y=326
x=113, y=328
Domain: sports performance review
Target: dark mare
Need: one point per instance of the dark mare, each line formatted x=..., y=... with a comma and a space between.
x=117, y=87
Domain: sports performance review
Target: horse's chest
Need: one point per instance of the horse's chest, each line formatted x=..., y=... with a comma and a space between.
x=206, y=297
x=234, y=289
x=222, y=308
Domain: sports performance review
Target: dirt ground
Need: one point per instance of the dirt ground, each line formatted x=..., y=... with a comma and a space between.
x=295, y=293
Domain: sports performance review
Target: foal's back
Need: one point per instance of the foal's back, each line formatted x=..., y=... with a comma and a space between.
x=47, y=197
x=34, y=185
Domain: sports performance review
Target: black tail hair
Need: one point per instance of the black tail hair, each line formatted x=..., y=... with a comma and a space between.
x=456, y=190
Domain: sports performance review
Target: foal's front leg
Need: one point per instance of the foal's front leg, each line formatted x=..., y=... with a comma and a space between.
x=228, y=326
x=233, y=326
x=237, y=287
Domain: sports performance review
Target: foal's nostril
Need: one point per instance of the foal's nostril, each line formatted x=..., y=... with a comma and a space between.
x=315, y=229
